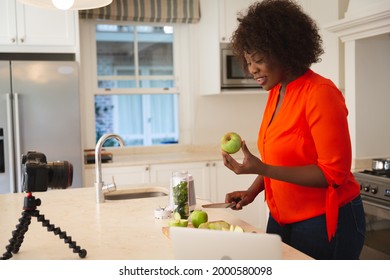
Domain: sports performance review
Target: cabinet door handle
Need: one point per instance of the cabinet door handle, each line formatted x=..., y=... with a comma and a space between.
x=13, y=40
x=207, y=164
x=214, y=164
x=147, y=168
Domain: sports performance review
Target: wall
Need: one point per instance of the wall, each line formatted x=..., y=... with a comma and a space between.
x=216, y=115
x=372, y=97
x=364, y=32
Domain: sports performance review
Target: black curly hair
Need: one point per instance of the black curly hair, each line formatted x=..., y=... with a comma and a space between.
x=282, y=32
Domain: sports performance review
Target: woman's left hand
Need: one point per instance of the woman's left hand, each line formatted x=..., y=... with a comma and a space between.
x=250, y=165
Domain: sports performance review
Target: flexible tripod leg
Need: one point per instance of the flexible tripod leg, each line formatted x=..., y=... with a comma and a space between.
x=30, y=206
x=62, y=234
x=17, y=236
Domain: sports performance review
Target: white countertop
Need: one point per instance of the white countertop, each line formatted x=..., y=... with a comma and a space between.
x=114, y=230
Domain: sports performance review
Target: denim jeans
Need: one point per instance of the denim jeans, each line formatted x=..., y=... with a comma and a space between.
x=310, y=236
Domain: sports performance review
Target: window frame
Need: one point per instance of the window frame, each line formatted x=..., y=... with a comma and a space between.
x=98, y=90
x=89, y=78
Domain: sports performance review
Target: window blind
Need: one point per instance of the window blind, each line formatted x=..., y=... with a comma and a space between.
x=165, y=11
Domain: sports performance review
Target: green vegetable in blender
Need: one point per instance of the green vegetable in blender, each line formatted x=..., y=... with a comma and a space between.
x=180, y=199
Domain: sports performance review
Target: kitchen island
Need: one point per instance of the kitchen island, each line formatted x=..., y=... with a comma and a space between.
x=113, y=230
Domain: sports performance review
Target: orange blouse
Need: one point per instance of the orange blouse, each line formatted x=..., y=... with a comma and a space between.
x=310, y=128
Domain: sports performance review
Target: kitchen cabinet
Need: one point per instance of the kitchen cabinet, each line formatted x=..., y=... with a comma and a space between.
x=25, y=28
x=124, y=176
x=228, y=11
x=219, y=20
x=200, y=171
x=207, y=45
x=227, y=181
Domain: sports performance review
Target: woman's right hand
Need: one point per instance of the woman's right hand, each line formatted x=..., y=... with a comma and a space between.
x=242, y=198
x=250, y=164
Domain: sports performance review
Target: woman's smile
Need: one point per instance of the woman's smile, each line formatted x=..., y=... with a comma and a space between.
x=261, y=80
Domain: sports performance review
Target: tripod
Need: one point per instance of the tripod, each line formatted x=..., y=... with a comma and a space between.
x=30, y=210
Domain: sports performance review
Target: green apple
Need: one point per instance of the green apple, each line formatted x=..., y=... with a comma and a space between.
x=238, y=229
x=222, y=225
x=204, y=225
x=231, y=142
x=176, y=216
x=174, y=223
x=183, y=223
x=178, y=223
x=198, y=217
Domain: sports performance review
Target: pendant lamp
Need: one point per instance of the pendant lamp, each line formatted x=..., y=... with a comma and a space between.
x=67, y=4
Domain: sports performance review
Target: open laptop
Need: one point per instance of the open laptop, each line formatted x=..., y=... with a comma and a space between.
x=204, y=244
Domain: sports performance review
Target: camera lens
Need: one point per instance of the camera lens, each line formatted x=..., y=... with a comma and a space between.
x=60, y=174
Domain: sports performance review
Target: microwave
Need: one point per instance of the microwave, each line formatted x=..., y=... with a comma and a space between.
x=232, y=74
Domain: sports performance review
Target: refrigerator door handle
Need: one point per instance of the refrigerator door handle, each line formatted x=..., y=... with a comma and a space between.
x=2, y=151
x=17, y=143
x=10, y=144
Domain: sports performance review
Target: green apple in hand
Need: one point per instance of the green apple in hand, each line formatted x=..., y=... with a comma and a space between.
x=231, y=142
x=198, y=217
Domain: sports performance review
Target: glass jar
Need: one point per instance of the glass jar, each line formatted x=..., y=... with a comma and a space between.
x=179, y=190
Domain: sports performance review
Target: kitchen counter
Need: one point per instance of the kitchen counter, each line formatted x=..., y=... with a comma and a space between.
x=114, y=230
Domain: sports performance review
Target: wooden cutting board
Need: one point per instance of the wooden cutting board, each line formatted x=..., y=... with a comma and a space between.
x=165, y=230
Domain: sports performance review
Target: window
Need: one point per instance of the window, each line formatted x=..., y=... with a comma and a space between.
x=136, y=95
x=140, y=119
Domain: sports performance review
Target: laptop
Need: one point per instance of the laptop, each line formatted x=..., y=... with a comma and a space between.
x=204, y=244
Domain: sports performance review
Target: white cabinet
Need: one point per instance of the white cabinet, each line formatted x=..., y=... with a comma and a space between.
x=218, y=21
x=124, y=176
x=207, y=46
x=228, y=13
x=8, y=22
x=26, y=28
x=200, y=171
x=227, y=181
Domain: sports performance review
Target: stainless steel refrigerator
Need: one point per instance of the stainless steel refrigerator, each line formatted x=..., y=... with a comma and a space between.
x=39, y=111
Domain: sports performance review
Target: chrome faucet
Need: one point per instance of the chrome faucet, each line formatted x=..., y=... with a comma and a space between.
x=99, y=185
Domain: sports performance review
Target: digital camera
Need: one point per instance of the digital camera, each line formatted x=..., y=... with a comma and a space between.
x=38, y=174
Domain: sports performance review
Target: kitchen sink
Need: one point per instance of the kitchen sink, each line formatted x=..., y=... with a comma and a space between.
x=123, y=194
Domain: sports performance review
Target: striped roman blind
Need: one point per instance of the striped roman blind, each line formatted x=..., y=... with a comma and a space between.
x=167, y=11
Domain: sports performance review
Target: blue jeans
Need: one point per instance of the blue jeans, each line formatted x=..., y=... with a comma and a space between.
x=310, y=236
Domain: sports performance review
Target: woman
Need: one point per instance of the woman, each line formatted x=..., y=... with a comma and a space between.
x=304, y=142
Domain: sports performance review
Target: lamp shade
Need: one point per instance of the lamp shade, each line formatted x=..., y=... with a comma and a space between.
x=77, y=5
x=63, y=4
